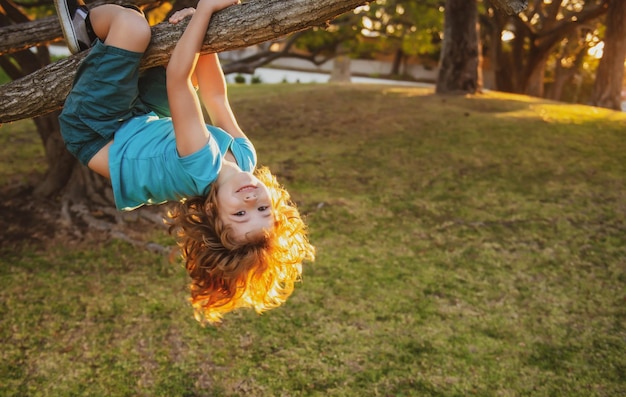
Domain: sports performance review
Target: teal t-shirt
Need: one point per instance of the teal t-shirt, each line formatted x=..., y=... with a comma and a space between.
x=146, y=169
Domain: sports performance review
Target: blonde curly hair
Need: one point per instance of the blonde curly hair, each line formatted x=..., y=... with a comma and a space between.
x=227, y=273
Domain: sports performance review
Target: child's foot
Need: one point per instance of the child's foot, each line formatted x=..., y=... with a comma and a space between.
x=74, y=18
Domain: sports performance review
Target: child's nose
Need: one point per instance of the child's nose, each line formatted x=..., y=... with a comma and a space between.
x=250, y=197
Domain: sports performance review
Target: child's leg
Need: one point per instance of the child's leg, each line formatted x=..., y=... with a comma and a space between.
x=120, y=27
x=105, y=91
x=124, y=27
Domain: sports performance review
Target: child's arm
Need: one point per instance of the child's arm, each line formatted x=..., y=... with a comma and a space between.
x=189, y=127
x=212, y=87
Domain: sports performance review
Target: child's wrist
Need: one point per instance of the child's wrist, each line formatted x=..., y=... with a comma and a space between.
x=207, y=6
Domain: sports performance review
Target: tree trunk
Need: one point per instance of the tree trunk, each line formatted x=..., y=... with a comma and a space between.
x=564, y=75
x=18, y=64
x=341, y=72
x=460, y=55
x=398, y=57
x=60, y=161
x=533, y=84
x=610, y=74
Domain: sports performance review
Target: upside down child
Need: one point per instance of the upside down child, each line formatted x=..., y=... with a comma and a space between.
x=242, y=238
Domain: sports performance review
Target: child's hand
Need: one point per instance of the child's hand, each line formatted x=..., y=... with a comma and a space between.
x=181, y=14
x=216, y=5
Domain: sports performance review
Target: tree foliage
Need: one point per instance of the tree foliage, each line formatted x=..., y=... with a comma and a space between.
x=397, y=28
x=542, y=29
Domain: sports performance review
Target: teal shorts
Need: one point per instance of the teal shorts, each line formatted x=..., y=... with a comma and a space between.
x=108, y=91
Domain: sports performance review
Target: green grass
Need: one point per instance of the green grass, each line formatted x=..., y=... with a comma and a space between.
x=22, y=153
x=466, y=246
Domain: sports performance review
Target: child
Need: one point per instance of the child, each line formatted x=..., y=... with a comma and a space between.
x=242, y=238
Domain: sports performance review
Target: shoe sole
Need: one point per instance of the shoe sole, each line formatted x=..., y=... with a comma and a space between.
x=67, y=26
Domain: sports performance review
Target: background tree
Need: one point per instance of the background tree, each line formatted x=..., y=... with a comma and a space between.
x=460, y=55
x=398, y=29
x=568, y=66
x=22, y=62
x=610, y=74
x=403, y=28
x=520, y=63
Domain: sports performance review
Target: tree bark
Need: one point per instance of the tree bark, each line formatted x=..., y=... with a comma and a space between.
x=460, y=55
x=235, y=27
x=493, y=25
x=610, y=74
x=510, y=6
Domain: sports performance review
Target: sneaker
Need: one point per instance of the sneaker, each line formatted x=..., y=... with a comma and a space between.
x=74, y=18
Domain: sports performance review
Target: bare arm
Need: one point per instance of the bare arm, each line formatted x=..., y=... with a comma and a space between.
x=213, y=92
x=189, y=127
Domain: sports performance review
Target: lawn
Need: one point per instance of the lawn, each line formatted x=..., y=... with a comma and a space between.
x=465, y=246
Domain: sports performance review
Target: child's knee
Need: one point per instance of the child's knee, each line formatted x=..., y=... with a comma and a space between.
x=133, y=30
x=137, y=25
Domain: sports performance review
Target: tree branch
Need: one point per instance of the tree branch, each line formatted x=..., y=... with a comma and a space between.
x=510, y=6
x=235, y=27
x=549, y=37
x=250, y=63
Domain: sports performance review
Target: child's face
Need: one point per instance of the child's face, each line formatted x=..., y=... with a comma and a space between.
x=244, y=203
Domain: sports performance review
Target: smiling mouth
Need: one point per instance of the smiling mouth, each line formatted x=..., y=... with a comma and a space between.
x=246, y=188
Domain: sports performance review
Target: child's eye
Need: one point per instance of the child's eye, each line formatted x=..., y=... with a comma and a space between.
x=240, y=213
x=263, y=208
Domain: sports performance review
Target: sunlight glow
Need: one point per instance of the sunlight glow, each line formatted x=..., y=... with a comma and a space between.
x=368, y=28
x=507, y=35
x=367, y=23
x=535, y=19
x=369, y=33
x=597, y=50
